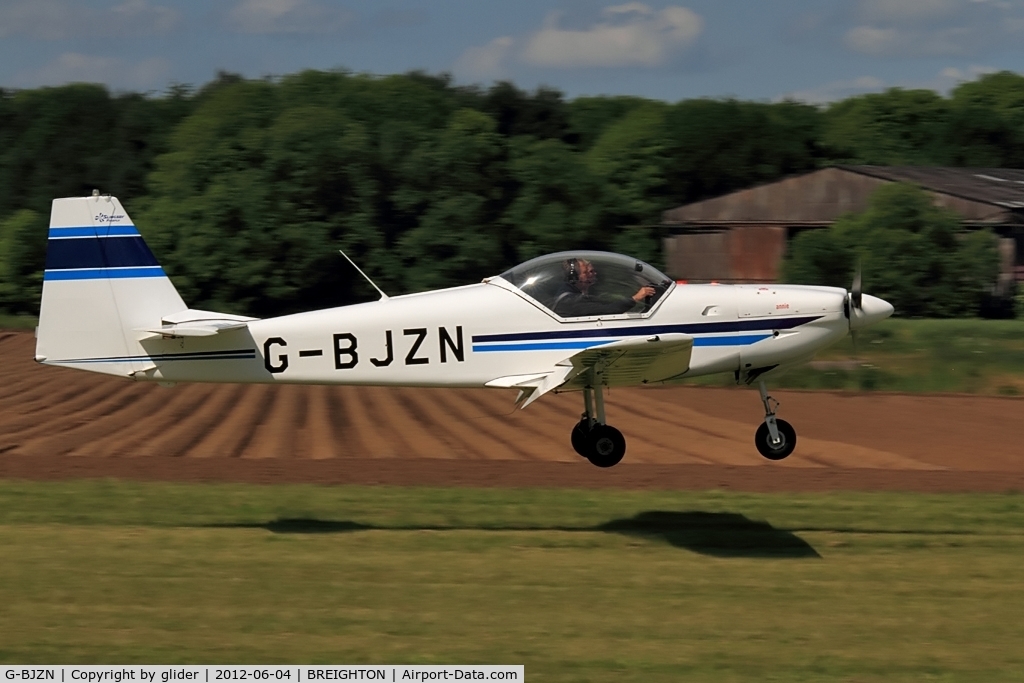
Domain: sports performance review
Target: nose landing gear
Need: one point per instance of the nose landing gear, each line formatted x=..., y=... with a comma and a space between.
x=601, y=444
x=775, y=439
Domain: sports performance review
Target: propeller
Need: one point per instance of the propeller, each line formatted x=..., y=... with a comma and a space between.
x=856, y=293
x=856, y=302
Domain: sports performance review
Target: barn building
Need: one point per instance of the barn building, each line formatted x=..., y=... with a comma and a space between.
x=742, y=236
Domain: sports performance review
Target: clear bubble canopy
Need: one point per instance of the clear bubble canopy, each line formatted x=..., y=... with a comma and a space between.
x=590, y=283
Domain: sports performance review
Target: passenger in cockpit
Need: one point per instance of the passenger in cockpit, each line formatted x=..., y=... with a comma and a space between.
x=576, y=298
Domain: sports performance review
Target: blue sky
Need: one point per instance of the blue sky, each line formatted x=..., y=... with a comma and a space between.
x=811, y=50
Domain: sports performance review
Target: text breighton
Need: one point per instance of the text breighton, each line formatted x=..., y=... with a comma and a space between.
x=348, y=675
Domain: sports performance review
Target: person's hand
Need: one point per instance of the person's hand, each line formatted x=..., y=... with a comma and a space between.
x=644, y=293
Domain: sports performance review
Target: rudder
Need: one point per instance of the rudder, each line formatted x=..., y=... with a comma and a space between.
x=101, y=284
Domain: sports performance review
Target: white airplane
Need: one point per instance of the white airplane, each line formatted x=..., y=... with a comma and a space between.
x=571, y=321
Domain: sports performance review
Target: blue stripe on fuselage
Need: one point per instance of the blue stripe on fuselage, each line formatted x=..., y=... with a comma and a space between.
x=732, y=340
x=540, y=346
x=725, y=340
x=756, y=325
x=232, y=354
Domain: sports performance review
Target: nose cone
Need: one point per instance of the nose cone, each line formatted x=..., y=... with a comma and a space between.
x=872, y=310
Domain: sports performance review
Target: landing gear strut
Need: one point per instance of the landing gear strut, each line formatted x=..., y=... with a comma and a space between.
x=775, y=439
x=601, y=444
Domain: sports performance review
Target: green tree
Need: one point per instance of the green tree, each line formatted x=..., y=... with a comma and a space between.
x=986, y=126
x=717, y=146
x=556, y=205
x=913, y=254
x=630, y=159
x=454, y=185
x=542, y=114
x=894, y=128
x=22, y=247
x=589, y=116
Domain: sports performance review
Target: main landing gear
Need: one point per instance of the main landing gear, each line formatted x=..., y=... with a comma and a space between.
x=601, y=444
x=604, y=445
x=775, y=439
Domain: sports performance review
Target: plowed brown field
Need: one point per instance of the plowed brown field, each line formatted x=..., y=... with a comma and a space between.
x=57, y=423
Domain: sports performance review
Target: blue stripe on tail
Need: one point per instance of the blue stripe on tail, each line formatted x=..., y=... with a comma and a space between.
x=98, y=252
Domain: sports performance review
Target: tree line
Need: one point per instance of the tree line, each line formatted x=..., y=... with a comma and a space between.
x=246, y=189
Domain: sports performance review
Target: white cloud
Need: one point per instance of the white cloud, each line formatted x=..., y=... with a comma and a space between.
x=907, y=11
x=884, y=42
x=943, y=82
x=631, y=34
x=957, y=75
x=836, y=90
x=486, y=61
x=913, y=28
x=72, y=67
x=288, y=16
x=63, y=19
x=871, y=40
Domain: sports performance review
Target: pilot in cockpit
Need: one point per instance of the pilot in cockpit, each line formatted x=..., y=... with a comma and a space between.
x=576, y=298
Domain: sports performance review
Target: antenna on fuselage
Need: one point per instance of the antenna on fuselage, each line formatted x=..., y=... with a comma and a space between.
x=383, y=296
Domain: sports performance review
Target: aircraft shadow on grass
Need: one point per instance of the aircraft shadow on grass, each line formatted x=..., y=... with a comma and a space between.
x=719, y=534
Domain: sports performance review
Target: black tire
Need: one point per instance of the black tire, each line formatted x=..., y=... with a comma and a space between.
x=775, y=451
x=579, y=437
x=605, y=446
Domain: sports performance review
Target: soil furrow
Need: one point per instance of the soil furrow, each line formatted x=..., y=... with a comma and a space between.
x=78, y=393
x=461, y=444
x=316, y=434
x=132, y=426
x=100, y=428
x=679, y=442
x=275, y=435
x=391, y=422
x=429, y=435
x=364, y=436
x=64, y=418
x=48, y=414
x=496, y=441
x=234, y=429
x=260, y=410
x=207, y=406
x=28, y=390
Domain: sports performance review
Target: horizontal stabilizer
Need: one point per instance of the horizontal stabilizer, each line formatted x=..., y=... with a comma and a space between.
x=195, y=323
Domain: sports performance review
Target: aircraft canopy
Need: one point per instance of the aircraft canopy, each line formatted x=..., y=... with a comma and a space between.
x=576, y=284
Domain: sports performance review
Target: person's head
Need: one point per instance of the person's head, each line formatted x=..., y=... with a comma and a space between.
x=579, y=272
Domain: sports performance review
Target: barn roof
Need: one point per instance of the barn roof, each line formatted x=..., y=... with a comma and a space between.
x=980, y=195
x=999, y=186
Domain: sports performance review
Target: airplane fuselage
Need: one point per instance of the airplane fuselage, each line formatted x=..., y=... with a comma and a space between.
x=467, y=336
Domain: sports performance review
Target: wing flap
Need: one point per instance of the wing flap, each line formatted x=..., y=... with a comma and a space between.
x=635, y=361
x=622, y=363
x=639, y=361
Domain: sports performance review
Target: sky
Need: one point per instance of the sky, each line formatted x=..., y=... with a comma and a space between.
x=815, y=51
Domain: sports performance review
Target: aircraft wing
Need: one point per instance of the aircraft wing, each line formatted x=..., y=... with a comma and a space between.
x=621, y=363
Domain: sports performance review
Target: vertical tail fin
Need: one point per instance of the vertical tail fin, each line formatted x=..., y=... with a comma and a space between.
x=101, y=285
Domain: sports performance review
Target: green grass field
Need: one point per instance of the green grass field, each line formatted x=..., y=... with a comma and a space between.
x=18, y=322
x=576, y=585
